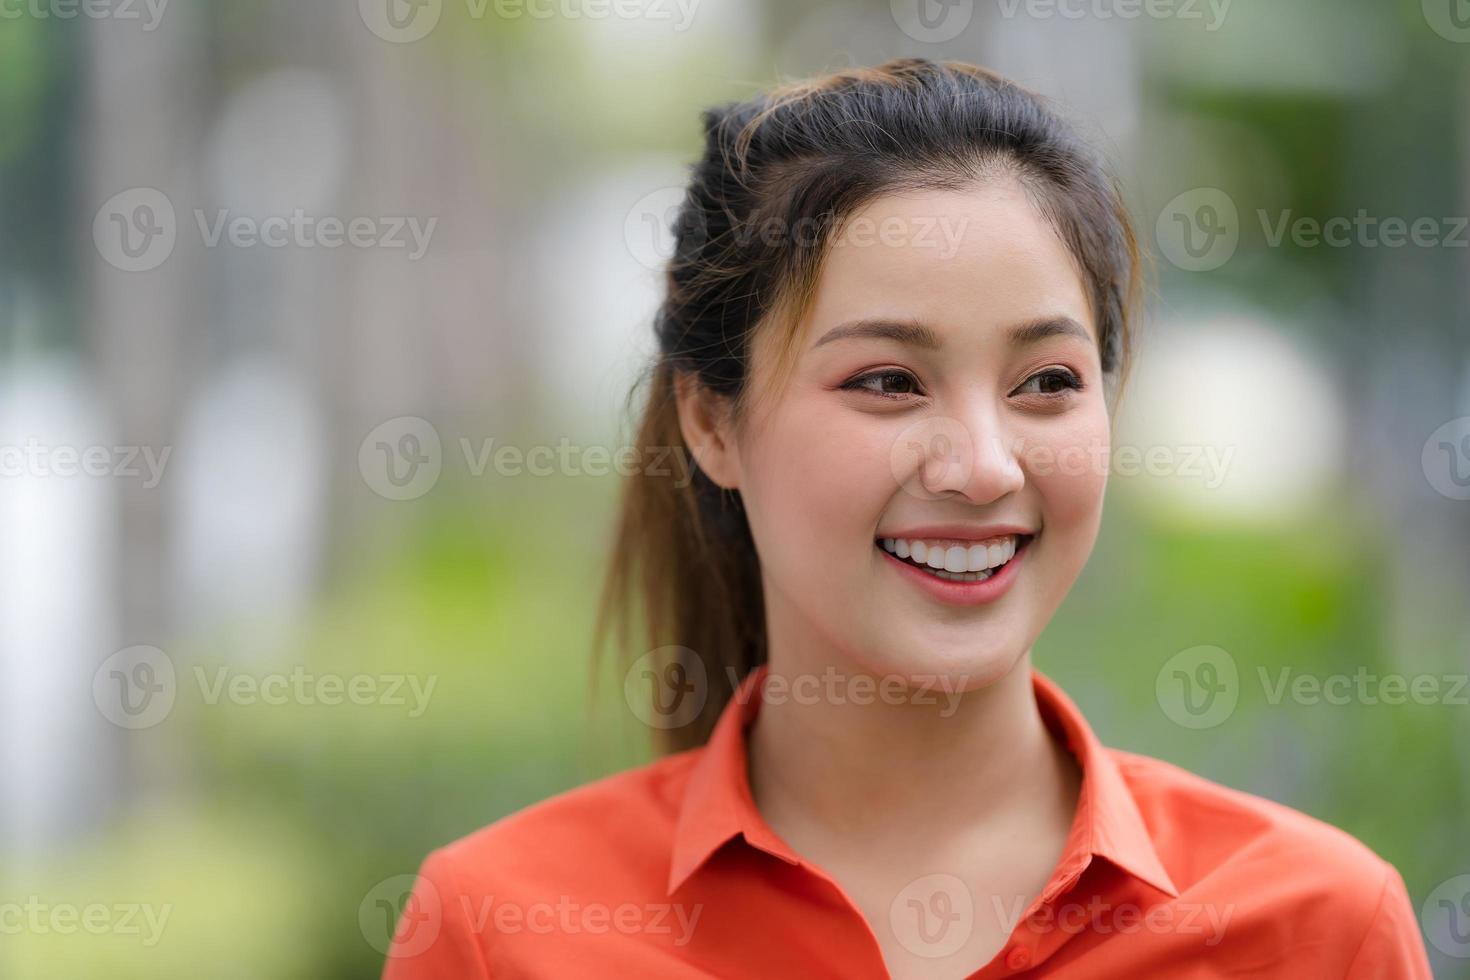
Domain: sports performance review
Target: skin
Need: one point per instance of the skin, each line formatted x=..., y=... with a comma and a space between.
x=973, y=786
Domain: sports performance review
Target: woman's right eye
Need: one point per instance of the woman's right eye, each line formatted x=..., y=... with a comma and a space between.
x=887, y=383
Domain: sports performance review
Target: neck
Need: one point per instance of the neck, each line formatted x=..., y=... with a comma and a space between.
x=981, y=758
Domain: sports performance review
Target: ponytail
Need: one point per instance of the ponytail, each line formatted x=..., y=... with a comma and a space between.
x=684, y=558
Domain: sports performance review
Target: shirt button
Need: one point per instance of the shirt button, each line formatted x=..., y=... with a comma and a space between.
x=1018, y=958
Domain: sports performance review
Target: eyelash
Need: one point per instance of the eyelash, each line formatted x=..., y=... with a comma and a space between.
x=1071, y=381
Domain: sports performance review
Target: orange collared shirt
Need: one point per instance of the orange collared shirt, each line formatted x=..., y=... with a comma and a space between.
x=668, y=870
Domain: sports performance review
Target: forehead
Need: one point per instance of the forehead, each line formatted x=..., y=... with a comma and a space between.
x=970, y=259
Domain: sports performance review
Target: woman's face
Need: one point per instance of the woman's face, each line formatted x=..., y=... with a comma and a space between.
x=916, y=413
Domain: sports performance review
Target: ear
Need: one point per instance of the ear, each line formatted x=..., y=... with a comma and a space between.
x=704, y=419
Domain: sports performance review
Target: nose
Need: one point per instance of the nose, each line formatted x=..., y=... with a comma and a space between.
x=975, y=458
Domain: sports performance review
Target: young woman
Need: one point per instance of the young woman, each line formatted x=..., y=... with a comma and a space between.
x=897, y=317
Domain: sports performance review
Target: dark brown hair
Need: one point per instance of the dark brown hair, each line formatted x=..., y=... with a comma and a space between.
x=798, y=161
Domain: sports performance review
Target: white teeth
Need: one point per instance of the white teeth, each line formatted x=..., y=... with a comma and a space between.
x=956, y=559
x=953, y=558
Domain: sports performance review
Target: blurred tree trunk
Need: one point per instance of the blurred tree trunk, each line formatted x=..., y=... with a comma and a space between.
x=139, y=128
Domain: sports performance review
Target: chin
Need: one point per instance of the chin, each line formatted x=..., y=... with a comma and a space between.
x=942, y=656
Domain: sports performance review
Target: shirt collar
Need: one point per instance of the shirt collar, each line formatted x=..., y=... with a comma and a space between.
x=718, y=805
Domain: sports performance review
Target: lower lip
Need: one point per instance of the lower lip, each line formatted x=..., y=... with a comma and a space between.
x=961, y=593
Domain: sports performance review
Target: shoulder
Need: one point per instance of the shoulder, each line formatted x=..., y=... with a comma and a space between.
x=621, y=824
x=1227, y=826
x=568, y=868
x=1278, y=868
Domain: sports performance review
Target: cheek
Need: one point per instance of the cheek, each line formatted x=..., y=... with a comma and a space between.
x=817, y=481
x=1069, y=469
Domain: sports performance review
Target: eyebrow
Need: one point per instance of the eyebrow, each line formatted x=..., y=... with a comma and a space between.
x=912, y=333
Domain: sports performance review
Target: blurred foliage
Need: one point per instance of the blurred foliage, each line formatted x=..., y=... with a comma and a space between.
x=237, y=887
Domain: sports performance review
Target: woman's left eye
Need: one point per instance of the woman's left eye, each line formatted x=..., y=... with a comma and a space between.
x=1052, y=383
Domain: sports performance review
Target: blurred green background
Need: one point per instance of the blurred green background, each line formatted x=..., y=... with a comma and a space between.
x=548, y=143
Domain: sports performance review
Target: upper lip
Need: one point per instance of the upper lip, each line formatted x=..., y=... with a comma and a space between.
x=957, y=532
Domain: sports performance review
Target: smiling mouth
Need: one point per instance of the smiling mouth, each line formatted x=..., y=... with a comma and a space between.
x=943, y=559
